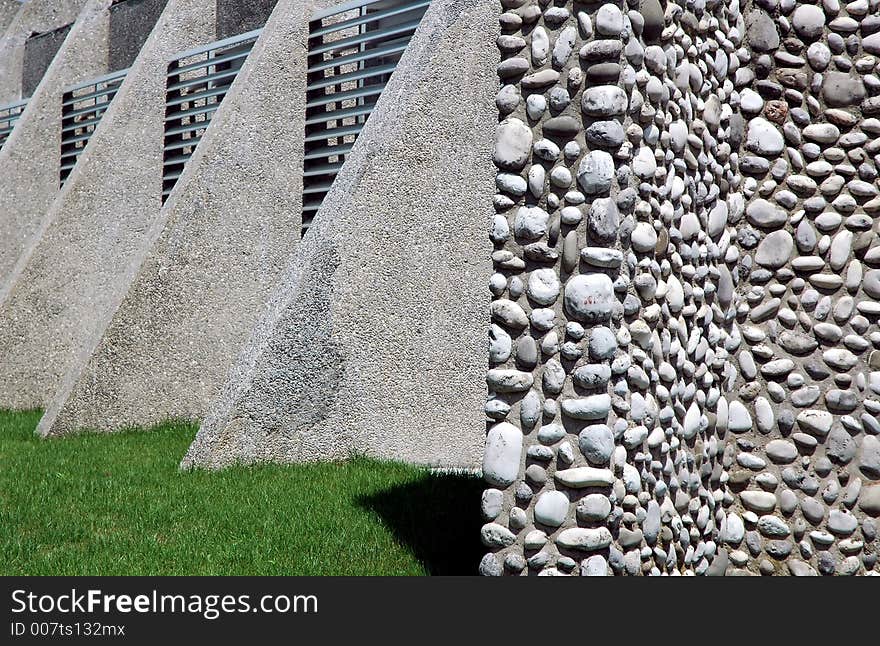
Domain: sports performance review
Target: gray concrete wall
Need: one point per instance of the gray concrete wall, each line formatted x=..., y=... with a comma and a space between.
x=30, y=158
x=93, y=237
x=8, y=9
x=131, y=22
x=375, y=340
x=220, y=244
x=39, y=52
x=36, y=16
x=234, y=17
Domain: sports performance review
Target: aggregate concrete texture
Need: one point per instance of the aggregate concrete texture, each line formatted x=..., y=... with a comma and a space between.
x=8, y=9
x=235, y=17
x=131, y=22
x=29, y=160
x=34, y=17
x=93, y=238
x=375, y=339
x=218, y=248
x=39, y=52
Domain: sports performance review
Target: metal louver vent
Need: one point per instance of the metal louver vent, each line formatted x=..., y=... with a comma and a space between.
x=198, y=79
x=353, y=49
x=9, y=114
x=82, y=107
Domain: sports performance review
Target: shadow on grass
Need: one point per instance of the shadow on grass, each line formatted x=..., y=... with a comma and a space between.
x=438, y=518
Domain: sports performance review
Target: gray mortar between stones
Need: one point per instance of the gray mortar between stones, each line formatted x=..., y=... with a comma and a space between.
x=684, y=377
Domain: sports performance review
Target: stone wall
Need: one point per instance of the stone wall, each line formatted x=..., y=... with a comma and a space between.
x=683, y=367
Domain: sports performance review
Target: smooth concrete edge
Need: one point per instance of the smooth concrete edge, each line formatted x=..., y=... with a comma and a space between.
x=247, y=208
x=243, y=424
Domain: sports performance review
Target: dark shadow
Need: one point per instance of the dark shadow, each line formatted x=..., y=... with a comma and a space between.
x=437, y=518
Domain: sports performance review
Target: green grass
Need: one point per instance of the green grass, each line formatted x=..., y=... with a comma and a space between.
x=118, y=505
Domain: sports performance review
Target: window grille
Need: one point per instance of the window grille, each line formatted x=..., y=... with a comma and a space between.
x=82, y=107
x=353, y=50
x=9, y=114
x=198, y=80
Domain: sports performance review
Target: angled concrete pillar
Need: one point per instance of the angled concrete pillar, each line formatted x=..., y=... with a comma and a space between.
x=92, y=238
x=29, y=160
x=34, y=17
x=375, y=340
x=219, y=246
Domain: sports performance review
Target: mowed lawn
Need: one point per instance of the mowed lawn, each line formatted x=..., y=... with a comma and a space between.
x=118, y=505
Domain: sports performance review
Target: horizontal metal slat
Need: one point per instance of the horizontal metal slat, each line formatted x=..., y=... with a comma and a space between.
x=75, y=140
x=370, y=17
x=118, y=75
x=176, y=161
x=198, y=96
x=183, y=144
x=329, y=151
x=336, y=115
x=323, y=169
x=92, y=108
x=203, y=80
x=91, y=95
x=83, y=124
x=219, y=44
x=17, y=106
x=200, y=125
x=369, y=90
x=333, y=133
x=323, y=187
x=192, y=112
x=361, y=56
x=360, y=75
x=342, y=8
x=369, y=36
x=208, y=62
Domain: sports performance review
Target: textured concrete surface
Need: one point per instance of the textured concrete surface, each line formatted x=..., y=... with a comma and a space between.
x=39, y=52
x=131, y=22
x=234, y=17
x=35, y=17
x=221, y=242
x=94, y=236
x=8, y=9
x=686, y=380
x=29, y=160
x=375, y=340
